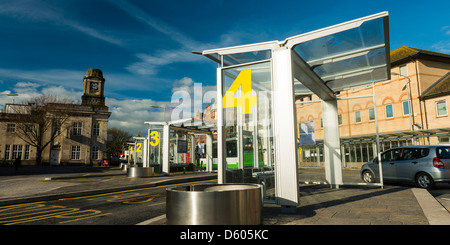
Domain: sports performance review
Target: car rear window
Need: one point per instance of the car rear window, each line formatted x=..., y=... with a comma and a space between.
x=443, y=152
x=414, y=153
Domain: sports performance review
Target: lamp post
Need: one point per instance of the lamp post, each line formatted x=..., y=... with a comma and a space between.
x=409, y=98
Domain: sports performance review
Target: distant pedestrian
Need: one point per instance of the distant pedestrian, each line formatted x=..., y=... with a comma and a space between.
x=17, y=163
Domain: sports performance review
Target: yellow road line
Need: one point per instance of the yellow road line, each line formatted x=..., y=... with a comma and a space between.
x=39, y=210
x=88, y=217
x=125, y=191
x=156, y=204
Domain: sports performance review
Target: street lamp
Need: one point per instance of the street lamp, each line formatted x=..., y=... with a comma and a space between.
x=409, y=98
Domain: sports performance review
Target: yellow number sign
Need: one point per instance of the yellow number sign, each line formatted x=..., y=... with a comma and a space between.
x=155, y=138
x=138, y=147
x=246, y=100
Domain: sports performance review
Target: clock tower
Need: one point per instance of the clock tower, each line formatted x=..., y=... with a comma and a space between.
x=93, y=88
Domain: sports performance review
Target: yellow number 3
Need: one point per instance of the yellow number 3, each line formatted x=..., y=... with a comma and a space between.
x=155, y=138
x=246, y=100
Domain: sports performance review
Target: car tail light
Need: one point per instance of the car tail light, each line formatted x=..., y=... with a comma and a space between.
x=437, y=163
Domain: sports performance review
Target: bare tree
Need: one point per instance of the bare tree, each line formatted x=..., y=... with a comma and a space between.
x=119, y=140
x=40, y=121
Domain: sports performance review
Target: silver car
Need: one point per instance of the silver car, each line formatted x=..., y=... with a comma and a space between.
x=424, y=165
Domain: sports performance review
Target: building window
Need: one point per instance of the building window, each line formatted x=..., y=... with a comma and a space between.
x=10, y=128
x=389, y=111
x=7, y=151
x=56, y=128
x=76, y=130
x=96, y=129
x=403, y=71
x=444, y=139
x=340, y=119
x=29, y=128
x=26, y=154
x=441, y=108
x=357, y=116
x=76, y=152
x=94, y=153
x=405, y=107
x=17, y=152
x=371, y=114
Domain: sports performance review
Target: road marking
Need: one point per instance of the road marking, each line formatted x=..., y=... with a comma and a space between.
x=156, y=204
x=89, y=217
x=31, y=212
x=25, y=213
x=125, y=191
x=147, y=222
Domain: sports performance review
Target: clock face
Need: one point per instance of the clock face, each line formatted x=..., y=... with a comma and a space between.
x=94, y=86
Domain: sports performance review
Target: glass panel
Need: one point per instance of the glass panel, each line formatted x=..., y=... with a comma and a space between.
x=358, y=116
x=371, y=114
x=369, y=34
x=389, y=111
x=374, y=58
x=350, y=58
x=139, y=152
x=155, y=153
x=405, y=107
x=441, y=108
x=248, y=131
x=242, y=58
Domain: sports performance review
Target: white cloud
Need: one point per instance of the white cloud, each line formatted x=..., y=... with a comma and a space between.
x=156, y=24
x=71, y=78
x=42, y=12
x=446, y=30
x=184, y=84
x=130, y=115
x=442, y=46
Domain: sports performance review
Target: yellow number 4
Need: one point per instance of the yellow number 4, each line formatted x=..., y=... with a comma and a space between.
x=246, y=100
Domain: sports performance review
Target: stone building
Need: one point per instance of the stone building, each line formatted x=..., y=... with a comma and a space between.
x=81, y=140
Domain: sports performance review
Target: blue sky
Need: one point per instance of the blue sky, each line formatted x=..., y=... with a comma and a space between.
x=144, y=47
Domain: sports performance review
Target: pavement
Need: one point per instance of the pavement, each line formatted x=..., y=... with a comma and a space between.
x=319, y=204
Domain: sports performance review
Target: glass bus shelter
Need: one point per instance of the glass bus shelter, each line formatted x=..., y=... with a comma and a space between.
x=256, y=89
x=171, y=146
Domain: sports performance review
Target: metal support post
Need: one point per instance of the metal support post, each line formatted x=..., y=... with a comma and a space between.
x=209, y=149
x=285, y=133
x=145, y=160
x=332, y=148
x=166, y=163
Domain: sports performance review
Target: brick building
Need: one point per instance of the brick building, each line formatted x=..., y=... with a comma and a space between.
x=411, y=108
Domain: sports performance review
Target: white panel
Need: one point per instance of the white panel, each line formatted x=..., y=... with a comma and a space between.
x=209, y=152
x=166, y=163
x=145, y=159
x=221, y=162
x=332, y=149
x=287, y=191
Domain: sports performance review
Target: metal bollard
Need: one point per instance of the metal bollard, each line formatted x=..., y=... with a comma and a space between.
x=217, y=204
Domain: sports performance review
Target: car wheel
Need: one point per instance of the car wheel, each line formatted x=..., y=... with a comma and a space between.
x=423, y=180
x=368, y=177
